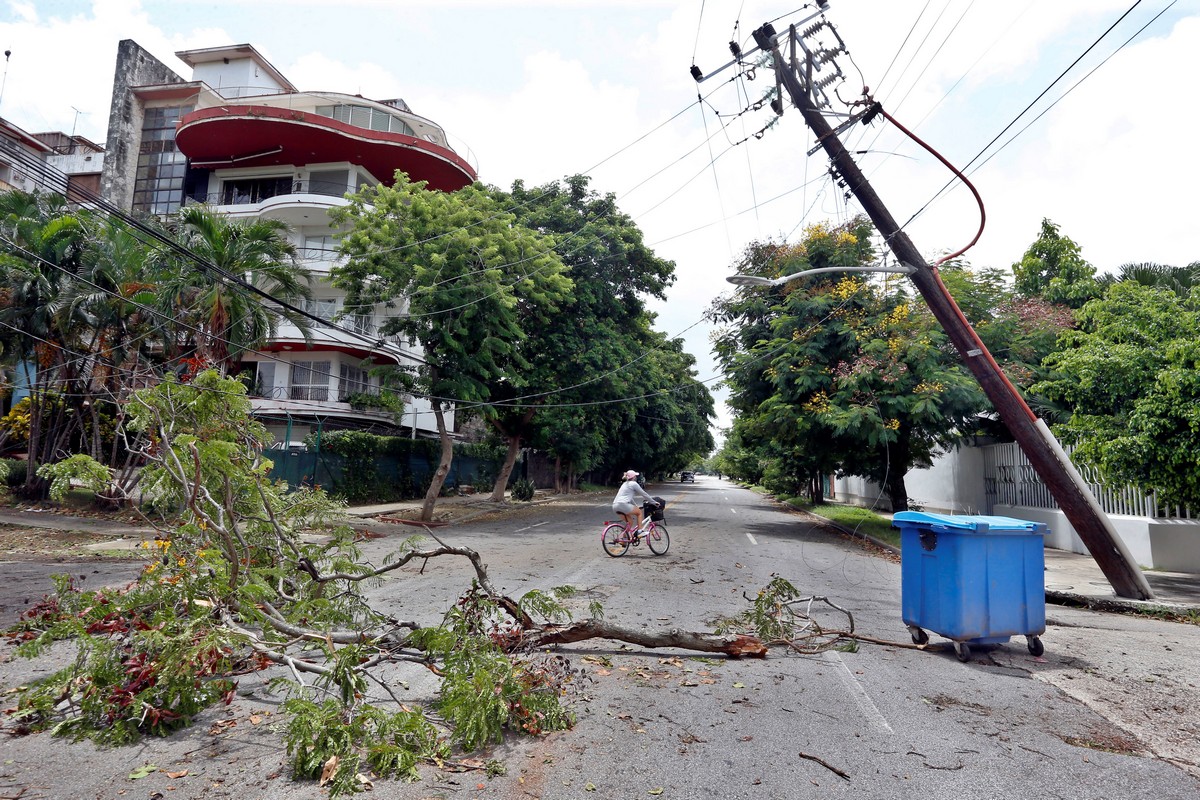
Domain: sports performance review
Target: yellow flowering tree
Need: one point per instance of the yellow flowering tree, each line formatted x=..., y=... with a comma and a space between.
x=842, y=373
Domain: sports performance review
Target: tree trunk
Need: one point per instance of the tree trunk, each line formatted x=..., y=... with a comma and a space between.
x=897, y=491
x=735, y=645
x=558, y=476
x=513, y=436
x=816, y=488
x=510, y=458
x=899, y=458
x=439, y=476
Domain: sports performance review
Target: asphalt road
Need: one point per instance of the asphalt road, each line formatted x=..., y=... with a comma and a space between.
x=882, y=722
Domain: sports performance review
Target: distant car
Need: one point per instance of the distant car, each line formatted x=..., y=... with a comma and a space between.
x=687, y=477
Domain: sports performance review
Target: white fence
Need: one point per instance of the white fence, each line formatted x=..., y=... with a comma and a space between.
x=1010, y=480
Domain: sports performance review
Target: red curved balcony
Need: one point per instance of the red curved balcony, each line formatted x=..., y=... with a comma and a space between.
x=261, y=136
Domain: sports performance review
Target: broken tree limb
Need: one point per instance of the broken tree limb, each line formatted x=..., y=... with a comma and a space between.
x=735, y=645
x=825, y=764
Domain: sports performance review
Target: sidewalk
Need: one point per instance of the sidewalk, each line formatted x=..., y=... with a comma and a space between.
x=1075, y=578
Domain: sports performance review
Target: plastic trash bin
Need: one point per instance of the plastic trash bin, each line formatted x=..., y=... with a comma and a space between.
x=972, y=579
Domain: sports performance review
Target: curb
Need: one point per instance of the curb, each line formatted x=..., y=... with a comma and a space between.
x=1115, y=604
x=841, y=528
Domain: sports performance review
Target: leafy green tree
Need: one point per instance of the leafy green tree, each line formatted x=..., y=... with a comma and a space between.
x=1053, y=269
x=664, y=424
x=1019, y=331
x=833, y=374
x=602, y=357
x=218, y=318
x=471, y=283
x=1130, y=376
x=775, y=346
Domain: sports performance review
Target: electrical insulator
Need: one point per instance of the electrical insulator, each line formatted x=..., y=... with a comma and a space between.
x=827, y=80
x=697, y=74
x=764, y=37
x=735, y=49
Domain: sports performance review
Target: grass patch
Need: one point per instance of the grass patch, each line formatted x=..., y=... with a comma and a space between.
x=859, y=520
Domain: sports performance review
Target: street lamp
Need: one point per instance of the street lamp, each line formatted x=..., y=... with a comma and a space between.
x=756, y=280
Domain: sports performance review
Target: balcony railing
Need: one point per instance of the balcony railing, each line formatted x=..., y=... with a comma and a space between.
x=347, y=392
x=318, y=394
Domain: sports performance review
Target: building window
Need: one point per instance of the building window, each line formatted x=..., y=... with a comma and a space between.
x=366, y=117
x=363, y=324
x=324, y=307
x=331, y=182
x=253, y=190
x=310, y=380
x=352, y=380
x=158, y=182
x=264, y=380
x=319, y=248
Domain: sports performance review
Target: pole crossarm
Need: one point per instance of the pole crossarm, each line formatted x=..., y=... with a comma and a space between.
x=1031, y=434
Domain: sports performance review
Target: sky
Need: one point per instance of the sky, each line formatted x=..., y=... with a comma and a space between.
x=538, y=90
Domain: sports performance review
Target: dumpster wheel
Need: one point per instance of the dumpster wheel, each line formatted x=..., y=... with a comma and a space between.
x=963, y=651
x=1034, y=643
x=919, y=636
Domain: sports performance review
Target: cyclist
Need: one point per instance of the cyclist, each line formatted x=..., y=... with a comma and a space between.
x=623, y=503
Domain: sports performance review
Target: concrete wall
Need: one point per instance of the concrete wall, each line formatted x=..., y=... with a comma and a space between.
x=953, y=485
x=240, y=77
x=135, y=67
x=1167, y=544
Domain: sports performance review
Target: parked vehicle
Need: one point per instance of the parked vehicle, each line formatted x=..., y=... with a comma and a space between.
x=687, y=477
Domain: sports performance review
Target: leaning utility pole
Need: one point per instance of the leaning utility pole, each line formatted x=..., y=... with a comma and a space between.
x=801, y=76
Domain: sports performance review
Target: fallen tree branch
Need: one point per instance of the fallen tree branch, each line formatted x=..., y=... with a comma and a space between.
x=734, y=645
x=825, y=764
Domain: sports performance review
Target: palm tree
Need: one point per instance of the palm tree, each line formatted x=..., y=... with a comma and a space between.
x=220, y=317
x=1180, y=280
x=42, y=245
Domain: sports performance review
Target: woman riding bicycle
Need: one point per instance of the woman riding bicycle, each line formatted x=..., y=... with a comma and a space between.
x=623, y=503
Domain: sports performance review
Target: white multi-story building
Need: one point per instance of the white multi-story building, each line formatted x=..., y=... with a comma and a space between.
x=240, y=137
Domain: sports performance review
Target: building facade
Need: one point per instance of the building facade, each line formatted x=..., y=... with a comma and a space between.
x=240, y=137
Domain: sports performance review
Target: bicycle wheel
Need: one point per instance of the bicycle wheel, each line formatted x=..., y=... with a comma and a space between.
x=614, y=541
x=658, y=539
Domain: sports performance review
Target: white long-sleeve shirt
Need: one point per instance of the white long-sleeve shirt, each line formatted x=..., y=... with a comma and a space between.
x=630, y=489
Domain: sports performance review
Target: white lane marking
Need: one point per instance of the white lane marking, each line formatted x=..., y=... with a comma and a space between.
x=733, y=511
x=531, y=527
x=750, y=536
x=868, y=708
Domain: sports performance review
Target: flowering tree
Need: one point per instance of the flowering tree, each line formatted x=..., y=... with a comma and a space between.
x=838, y=374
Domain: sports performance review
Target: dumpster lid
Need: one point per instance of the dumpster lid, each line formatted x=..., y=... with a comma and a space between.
x=967, y=522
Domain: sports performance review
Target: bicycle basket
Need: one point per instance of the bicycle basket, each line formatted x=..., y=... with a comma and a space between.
x=655, y=510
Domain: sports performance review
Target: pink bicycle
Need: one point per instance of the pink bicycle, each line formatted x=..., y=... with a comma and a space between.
x=616, y=538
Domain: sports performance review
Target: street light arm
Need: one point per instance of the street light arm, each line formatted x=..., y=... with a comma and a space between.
x=756, y=280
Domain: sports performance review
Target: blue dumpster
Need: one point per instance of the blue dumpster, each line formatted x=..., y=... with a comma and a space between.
x=972, y=579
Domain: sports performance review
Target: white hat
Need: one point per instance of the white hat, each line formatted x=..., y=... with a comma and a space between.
x=630, y=475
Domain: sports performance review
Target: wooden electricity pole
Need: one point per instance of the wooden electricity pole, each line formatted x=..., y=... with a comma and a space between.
x=1030, y=433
